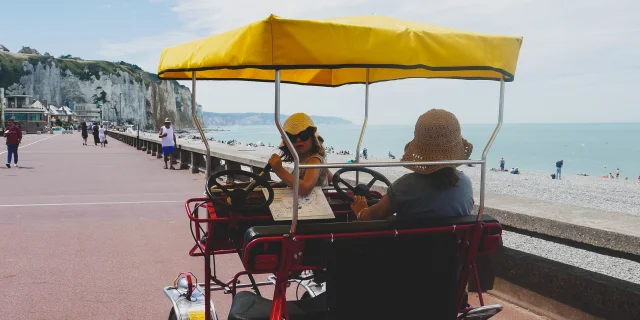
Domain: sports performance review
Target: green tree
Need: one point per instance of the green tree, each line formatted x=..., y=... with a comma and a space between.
x=100, y=99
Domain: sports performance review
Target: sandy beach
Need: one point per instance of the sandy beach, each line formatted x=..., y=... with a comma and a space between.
x=617, y=195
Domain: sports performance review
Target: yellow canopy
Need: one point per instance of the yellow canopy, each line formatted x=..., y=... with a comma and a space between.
x=334, y=52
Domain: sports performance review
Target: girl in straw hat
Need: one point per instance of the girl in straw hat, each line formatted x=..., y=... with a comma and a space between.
x=304, y=136
x=428, y=191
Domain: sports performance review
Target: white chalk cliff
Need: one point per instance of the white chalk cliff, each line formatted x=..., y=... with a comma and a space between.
x=128, y=92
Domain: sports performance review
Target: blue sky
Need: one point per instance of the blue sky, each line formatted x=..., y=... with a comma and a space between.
x=81, y=28
x=578, y=61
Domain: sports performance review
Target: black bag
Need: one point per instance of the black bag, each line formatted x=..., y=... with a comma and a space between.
x=105, y=141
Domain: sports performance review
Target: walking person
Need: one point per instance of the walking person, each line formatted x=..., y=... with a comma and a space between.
x=102, y=135
x=365, y=153
x=96, y=134
x=85, y=134
x=502, y=164
x=13, y=134
x=168, y=143
x=617, y=173
x=559, y=169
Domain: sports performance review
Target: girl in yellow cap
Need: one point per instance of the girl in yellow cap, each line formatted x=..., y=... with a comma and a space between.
x=304, y=136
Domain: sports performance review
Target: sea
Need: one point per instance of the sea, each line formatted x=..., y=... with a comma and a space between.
x=593, y=149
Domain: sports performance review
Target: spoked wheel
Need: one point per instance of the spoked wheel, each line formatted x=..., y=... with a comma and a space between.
x=237, y=199
x=360, y=189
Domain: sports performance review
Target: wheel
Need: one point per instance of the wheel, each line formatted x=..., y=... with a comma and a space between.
x=237, y=198
x=360, y=189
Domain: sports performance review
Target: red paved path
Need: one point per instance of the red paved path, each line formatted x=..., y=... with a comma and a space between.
x=74, y=246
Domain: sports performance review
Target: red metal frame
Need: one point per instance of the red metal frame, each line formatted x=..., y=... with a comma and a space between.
x=470, y=238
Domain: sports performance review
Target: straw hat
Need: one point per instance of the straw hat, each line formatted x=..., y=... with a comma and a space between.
x=167, y=120
x=437, y=137
x=299, y=122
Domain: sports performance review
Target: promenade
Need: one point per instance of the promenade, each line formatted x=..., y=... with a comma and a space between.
x=96, y=233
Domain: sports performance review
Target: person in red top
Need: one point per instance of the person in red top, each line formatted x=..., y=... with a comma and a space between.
x=13, y=135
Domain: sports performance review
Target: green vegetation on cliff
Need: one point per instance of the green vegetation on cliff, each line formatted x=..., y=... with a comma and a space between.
x=85, y=69
x=11, y=68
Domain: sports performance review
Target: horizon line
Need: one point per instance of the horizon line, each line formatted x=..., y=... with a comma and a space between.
x=412, y=123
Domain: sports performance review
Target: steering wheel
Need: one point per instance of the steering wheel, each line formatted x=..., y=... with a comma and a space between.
x=237, y=198
x=360, y=189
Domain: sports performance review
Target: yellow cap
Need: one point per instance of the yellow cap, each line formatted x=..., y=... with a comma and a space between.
x=297, y=123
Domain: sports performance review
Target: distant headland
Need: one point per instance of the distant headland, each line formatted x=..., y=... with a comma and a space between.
x=212, y=119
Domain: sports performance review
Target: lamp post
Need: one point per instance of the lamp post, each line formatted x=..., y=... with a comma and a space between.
x=120, y=113
x=138, y=139
x=100, y=106
x=2, y=108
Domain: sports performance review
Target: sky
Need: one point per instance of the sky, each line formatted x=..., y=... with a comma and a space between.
x=578, y=61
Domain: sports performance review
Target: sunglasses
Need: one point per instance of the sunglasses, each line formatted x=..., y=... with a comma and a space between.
x=303, y=135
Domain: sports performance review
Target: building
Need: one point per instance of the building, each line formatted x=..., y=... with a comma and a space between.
x=63, y=114
x=88, y=112
x=30, y=116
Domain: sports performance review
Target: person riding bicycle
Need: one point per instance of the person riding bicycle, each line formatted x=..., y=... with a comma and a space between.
x=303, y=134
x=433, y=190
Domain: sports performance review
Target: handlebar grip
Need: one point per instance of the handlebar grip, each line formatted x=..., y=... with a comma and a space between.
x=267, y=168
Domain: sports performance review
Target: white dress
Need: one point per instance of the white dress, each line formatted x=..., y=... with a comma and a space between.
x=101, y=134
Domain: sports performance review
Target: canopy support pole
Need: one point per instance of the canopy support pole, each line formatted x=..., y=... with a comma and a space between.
x=364, y=123
x=294, y=153
x=483, y=173
x=197, y=122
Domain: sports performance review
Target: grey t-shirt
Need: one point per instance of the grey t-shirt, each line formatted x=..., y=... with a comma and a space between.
x=413, y=195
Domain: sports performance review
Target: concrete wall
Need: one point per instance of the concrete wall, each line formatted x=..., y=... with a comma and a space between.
x=191, y=157
x=561, y=291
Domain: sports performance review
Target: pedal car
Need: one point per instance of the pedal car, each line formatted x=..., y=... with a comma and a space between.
x=391, y=269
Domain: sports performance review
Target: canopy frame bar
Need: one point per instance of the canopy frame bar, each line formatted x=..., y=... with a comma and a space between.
x=483, y=171
x=195, y=119
x=296, y=157
x=294, y=153
x=364, y=123
x=387, y=164
x=297, y=166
